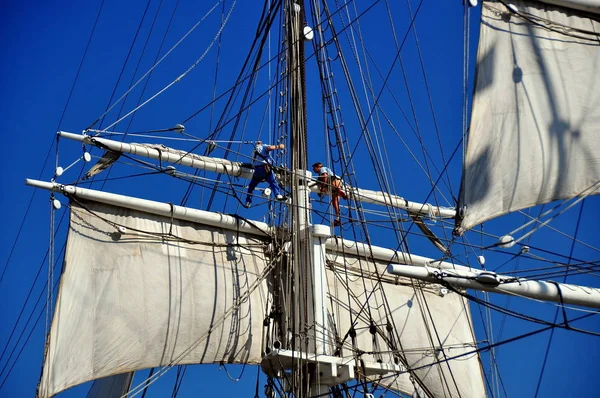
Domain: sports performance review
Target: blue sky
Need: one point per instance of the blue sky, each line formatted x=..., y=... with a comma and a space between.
x=43, y=47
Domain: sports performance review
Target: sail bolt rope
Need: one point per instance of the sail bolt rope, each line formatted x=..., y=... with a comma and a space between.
x=49, y=290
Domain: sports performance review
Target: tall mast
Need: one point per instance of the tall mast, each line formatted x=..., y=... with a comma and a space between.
x=309, y=363
x=302, y=311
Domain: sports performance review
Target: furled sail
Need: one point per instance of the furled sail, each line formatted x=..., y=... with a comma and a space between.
x=140, y=291
x=432, y=332
x=534, y=134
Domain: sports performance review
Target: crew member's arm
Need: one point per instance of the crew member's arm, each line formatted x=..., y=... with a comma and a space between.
x=324, y=178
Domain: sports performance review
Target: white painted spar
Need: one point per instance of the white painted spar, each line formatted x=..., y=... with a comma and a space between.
x=491, y=282
x=159, y=208
x=349, y=247
x=165, y=154
x=237, y=169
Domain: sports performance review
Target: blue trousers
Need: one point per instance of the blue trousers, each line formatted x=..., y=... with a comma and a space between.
x=261, y=175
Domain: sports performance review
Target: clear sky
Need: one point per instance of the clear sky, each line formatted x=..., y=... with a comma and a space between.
x=48, y=84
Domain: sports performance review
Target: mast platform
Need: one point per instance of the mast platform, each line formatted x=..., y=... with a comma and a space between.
x=330, y=370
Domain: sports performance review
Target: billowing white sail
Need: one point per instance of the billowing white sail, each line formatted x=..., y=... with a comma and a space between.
x=155, y=292
x=141, y=290
x=428, y=328
x=534, y=134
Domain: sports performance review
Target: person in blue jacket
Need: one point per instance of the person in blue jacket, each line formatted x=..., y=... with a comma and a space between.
x=263, y=171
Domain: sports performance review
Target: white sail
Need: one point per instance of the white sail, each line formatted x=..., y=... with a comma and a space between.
x=534, y=128
x=428, y=328
x=159, y=292
x=141, y=290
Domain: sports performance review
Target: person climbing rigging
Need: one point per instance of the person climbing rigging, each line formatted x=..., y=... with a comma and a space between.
x=263, y=171
x=328, y=182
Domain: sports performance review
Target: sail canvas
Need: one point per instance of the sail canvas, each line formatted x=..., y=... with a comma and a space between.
x=534, y=126
x=140, y=291
x=426, y=328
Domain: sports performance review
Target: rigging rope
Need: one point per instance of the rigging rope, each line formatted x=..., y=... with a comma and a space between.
x=539, y=383
x=124, y=65
x=64, y=111
x=217, y=322
x=42, y=310
x=153, y=67
x=181, y=76
x=478, y=350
